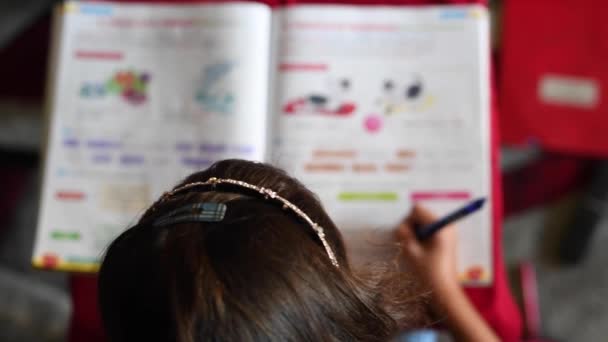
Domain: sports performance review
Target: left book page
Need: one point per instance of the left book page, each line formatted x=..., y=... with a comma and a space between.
x=141, y=96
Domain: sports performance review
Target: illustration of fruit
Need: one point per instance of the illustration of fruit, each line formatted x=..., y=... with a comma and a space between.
x=112, y=86
x=474, y=273
x=144, y=77
x=50, y=261
x=373, y=123
x=130, y=85
x=125, y=79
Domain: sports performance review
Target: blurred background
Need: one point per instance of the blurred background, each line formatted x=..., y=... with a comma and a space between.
x=555, y=180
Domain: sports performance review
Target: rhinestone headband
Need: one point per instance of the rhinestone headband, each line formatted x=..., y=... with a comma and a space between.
x=268, y=194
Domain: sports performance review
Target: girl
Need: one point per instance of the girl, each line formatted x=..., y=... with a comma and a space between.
x=243, y=252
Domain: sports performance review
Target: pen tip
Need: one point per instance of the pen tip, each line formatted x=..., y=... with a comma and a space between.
x=480, y=202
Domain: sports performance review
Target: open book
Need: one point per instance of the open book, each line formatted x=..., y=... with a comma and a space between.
x=373, y=108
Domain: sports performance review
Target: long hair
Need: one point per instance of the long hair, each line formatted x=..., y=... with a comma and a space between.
x=260, y=274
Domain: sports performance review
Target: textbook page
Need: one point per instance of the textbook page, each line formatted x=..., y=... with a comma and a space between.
x=381, y=107
x=143, y=96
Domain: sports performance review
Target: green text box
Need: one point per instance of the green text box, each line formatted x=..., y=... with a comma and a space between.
x=368, y=196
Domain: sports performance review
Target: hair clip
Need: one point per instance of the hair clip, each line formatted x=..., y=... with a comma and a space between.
x=268, y=195
x=197, y=212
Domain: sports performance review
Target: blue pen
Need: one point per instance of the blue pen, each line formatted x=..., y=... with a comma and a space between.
x=427, y=231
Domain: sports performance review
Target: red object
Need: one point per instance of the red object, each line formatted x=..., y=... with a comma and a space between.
x=429, y=195
x=102, y=55
x=547, y=179
x=302, y=67
x=293, y=107
x=554, y=75
x=475, y=272
x=298, y=105
x=23, y=63
x=50, y=261
x=85, y=325
x=14, y=181
x=70, y=195
x=345, y=109
x=529, y=288
x=495, y=303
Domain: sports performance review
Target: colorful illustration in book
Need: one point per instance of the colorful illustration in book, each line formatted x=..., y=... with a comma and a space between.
x=50, y=260
x=475, y=272
x=331, y=102
x=410, y=96
x=373, y=123
x=213, y=93
x=132, y=86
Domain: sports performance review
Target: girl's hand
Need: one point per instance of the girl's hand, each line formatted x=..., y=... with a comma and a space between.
x=435, y=260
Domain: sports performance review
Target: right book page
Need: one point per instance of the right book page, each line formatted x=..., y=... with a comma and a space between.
x=380, y=107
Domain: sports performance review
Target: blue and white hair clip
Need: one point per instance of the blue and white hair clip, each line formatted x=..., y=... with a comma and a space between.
x=197, y=212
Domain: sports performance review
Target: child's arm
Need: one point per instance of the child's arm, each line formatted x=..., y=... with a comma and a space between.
x=435, y=262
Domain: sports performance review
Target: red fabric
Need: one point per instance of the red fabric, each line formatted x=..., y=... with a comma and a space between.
x=547, y=179
x=85, y=324
x=559, y=37
x=495, y=303
x=13, y=183
x=23, y=62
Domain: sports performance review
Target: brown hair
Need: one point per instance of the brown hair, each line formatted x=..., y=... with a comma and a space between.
x=260, y=274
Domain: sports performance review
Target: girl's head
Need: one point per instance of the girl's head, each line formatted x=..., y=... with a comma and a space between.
x=261, y=273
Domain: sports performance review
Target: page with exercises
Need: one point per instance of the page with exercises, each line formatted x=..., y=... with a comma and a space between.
x=380, y=107
x=144, y=95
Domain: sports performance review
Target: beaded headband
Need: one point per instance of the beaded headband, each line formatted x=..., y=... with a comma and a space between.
x=268, y=194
